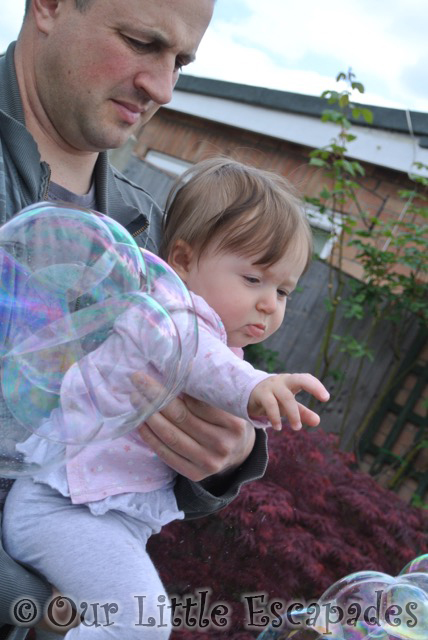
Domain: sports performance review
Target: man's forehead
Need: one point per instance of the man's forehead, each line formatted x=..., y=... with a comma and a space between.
x=170, y=7
x=187, y=19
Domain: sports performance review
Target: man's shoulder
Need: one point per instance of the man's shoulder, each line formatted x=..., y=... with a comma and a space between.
x=132, y=189
x=145, y=228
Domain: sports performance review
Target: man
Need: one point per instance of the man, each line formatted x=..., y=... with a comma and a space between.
x=82, y=77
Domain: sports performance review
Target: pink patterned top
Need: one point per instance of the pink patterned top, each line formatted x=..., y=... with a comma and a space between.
x=218, y=376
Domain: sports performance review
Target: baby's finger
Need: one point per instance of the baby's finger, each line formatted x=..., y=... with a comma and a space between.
x=289, y=408
x=271, y=408
x=308, y=416
x=307, y=382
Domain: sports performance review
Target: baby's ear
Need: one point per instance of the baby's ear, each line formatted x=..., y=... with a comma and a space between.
x=181, y=258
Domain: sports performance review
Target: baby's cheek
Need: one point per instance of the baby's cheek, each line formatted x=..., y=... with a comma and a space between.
x=274, y=326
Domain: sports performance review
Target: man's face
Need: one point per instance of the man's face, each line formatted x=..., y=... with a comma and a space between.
x=102, y=73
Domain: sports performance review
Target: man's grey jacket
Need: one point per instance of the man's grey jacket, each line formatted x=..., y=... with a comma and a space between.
x=24, y=180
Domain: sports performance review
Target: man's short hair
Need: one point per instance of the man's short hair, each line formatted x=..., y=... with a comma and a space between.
x=81, y=5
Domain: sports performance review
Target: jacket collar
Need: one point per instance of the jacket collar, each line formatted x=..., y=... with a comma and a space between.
x=10, y=100
x=21, y=146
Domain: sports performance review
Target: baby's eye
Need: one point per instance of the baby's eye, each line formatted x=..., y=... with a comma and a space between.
x=252, y=279
x=282, y=294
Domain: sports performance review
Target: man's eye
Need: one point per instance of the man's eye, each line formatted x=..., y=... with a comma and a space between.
x=137, y=45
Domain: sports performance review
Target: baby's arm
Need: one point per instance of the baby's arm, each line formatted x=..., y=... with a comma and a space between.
x=100, y=390
x=221, y=379
x=274, y=397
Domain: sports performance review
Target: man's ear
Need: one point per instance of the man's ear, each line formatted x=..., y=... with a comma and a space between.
x=181, y=258
x=44, y=13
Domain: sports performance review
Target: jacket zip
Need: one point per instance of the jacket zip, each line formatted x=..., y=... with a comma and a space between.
x=140, y=230
x=46, y=193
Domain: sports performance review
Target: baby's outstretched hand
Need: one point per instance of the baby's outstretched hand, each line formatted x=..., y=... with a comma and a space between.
x=274, y=397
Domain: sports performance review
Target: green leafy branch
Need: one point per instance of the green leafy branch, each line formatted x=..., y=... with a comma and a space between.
x=391, y=254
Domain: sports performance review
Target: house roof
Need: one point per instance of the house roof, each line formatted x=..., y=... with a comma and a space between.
x=383, y=117
x=397, y=139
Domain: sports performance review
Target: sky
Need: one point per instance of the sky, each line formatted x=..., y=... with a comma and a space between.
x=302, y=45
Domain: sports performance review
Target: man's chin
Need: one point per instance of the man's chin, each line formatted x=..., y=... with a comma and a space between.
x=111, y=141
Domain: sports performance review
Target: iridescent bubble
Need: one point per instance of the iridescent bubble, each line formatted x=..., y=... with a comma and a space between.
x=350, y=608
x=419, y=565
x=175, y=298
x=404, y=611
x=366, y=604
x=71, y=283
x=285, y=633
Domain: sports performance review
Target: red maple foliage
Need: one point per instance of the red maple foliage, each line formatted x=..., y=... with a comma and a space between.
x=310, y=521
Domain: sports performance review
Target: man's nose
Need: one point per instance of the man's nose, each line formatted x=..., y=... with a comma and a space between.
x=157, y=81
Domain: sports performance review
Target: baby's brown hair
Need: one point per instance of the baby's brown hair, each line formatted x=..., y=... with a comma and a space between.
x=247, y=210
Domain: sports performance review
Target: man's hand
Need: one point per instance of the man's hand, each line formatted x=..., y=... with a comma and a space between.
x=274, y=397
x=198, y=441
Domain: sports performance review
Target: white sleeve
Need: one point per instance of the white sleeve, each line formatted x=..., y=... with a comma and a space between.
x=219, y=377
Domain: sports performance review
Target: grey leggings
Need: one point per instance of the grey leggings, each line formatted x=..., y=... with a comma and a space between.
x=97, y=560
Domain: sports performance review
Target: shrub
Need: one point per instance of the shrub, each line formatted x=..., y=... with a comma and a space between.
x=310, y=521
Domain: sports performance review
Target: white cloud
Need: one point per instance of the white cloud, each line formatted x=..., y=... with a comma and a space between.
x=221, y=57
x=11, y=12
x=346, y=29
x=274, y=38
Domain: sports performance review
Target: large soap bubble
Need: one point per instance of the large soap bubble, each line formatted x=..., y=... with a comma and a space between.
x=418, y=565
x=71, y=282
x=364, y=605
x=167, y=289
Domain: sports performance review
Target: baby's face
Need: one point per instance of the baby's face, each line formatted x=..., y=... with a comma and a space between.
x=249, y=298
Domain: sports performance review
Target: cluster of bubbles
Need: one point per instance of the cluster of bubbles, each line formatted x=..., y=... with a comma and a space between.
x=364, y=605
x=66, y=276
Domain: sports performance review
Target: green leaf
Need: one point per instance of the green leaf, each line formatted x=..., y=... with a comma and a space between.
x=317, y=162
x=326, y=94
x=337, y=374
x=367, y=115
x=325, y=193
x=328, y=304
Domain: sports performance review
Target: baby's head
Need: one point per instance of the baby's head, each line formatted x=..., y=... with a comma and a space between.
x=238, y=236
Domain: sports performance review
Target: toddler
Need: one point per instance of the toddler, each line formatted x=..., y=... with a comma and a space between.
x=238, y=238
